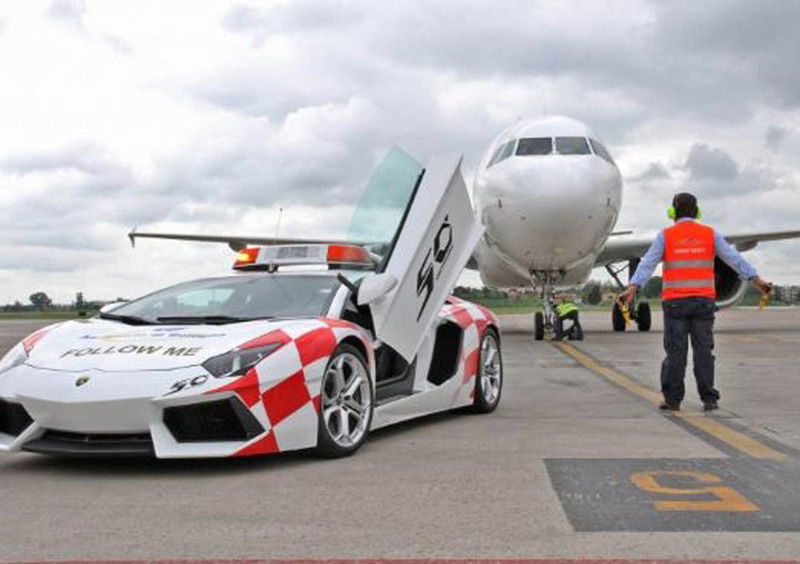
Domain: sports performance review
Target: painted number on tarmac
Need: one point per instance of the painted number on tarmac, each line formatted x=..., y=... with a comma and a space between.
x=701, y=483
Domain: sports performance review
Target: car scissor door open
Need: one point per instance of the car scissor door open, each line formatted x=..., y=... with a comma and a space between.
x=429, y=241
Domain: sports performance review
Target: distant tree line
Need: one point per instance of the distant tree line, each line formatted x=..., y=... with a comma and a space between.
x=40, y=302
x=595, y=293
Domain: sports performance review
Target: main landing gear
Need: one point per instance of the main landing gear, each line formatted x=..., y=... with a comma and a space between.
x=640, y=315
x=639, y=311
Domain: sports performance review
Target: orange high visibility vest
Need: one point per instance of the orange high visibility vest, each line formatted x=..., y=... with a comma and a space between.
x=688, y=269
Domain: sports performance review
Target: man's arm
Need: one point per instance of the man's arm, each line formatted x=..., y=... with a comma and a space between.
x=646, y=266
x=736, y=261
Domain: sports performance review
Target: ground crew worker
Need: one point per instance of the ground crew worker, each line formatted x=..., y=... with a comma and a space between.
x=567, y=310
x=688, y=297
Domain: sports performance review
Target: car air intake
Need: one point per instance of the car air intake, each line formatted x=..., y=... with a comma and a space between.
x=65, y=443
x=221, y=420
x=13, y=418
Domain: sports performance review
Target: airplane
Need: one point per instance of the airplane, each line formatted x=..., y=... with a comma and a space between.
x=548, y=194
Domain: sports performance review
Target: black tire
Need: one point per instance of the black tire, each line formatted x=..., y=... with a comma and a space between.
x=327, y=445
x=617, y=319
x=643, y=317
x=538, y=326
x=487, y=399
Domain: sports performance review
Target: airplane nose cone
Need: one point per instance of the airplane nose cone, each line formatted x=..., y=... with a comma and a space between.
x=550, y=212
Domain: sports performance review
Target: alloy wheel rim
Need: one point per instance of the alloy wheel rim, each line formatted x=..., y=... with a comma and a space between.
x=346, y=400
x=491, y=371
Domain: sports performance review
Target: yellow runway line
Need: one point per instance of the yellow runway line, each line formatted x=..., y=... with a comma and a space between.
x=708, y=425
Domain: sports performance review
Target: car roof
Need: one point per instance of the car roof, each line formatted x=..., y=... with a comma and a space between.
x=330, y=273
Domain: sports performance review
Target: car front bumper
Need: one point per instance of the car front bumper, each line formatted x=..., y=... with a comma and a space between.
x=121, y=414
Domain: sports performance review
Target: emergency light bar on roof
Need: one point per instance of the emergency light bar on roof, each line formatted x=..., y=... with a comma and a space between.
x=273, y=257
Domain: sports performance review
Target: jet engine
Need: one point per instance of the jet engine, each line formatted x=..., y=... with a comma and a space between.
x=730, y=288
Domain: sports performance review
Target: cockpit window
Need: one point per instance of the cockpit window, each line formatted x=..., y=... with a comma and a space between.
x=535, y=146
x=503, y=152
x=508, y=150
x=601, y=151
x=572, y=146
x=496, y=156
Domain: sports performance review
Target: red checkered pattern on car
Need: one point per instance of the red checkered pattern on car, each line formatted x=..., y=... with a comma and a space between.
x=30, y=341
x=283, y=391
x=473, y=319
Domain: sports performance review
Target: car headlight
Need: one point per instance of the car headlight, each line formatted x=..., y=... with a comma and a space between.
x=19, y=354
x=238, y=361
x=14, y=357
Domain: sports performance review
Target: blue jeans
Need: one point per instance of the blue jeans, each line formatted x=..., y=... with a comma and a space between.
x=684, y=318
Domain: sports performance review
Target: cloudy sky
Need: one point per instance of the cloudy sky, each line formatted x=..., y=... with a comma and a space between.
x=210, y=116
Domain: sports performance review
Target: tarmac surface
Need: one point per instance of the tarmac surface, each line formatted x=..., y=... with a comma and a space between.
x=577, y=462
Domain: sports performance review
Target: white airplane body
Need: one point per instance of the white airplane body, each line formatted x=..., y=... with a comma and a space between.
x=547, y=214
x=548, y=194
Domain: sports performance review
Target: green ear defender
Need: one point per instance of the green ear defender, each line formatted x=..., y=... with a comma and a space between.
x=671, y=213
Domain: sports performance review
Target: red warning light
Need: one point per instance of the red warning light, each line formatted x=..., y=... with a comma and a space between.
x=246, y=257
x=347, y=253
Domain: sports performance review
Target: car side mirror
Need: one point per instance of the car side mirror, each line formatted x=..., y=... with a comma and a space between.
x=113, y=305
x=375, y=287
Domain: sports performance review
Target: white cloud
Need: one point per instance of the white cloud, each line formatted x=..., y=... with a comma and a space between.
x=209, y=116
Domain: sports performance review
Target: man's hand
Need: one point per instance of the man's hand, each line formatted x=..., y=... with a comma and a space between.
x=628, y=293
x=762, y=285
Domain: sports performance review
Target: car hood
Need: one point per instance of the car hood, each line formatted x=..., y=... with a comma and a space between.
x=111, y=346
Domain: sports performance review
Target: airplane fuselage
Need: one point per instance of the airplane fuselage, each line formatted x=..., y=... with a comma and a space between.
x=549, y=195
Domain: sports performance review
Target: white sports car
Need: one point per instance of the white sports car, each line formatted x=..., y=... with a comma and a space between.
x=271, y=358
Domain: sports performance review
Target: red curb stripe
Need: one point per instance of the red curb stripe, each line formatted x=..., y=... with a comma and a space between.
x=411, y=561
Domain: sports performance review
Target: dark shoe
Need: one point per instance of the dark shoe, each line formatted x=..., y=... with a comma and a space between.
x=710, y=406
x=666, y=406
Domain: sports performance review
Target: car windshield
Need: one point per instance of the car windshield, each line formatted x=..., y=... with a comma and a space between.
x=233, y=298
x=380, y=209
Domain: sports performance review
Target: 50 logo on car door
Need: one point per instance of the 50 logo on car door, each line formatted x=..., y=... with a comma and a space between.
x=433, y=263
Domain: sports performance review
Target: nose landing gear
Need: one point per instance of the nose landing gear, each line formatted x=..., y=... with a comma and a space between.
x=544, y=322
x=540, y=325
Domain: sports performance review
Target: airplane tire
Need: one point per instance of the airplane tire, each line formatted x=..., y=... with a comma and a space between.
x=617, y=319
x=643, y=317
x=538, y=326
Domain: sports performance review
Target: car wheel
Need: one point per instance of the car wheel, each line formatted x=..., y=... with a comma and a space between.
x=538, y=326
x=346, y=403
x=489, y=379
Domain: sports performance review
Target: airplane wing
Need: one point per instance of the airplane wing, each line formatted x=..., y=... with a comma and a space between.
x=237, y=242
x=624, y=248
